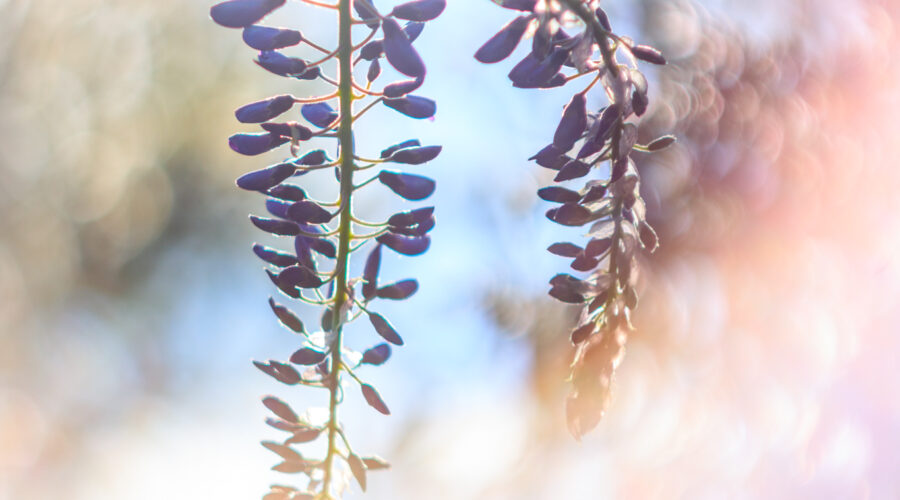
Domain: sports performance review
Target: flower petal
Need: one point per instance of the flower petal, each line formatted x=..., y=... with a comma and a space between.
x=413, y=106
x=409, y=186
x=269, y=38
x=242, y=13
x=266, y=178
x=501, y=45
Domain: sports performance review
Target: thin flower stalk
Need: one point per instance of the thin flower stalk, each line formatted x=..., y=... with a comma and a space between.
x=609, y=204
x=319, y=233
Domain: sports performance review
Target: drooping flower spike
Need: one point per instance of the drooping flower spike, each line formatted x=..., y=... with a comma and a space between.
x=586, y=142
x=314, y=269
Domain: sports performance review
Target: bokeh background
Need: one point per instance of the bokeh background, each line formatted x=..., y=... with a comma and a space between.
x=766, y=362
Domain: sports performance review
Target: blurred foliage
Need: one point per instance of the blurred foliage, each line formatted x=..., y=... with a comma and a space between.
x=768, y=217
x=763, y=358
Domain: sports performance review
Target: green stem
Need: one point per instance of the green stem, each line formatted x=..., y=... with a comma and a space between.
x=345, y=134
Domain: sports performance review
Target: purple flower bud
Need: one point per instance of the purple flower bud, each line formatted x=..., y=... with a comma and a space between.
x=288, y=130
x=375, y=463
x=597, y=247
x=281, y=424
x=532, y=72
x=286, y=452
x=551, y=157
x=265, y=368
x=557, y=194
x=564, y=249
x=604, y=126
x=649, y=54
x=399, y=50
x=322, y=246
x=374, y=71
x=410, y=186
x=420, y=229
x=401, y=88
x=501, y=45
x=286, y=288
x=399, y=290
x=413, y=106
x=584, y=263
x=316, y=157
x=281, y=409
x=572, y=170
x=310, y=73
x=661, y=143
x=523, y=5
x=405, y=245
x=541, y=41
x=385, y=329
x=370, y=273
x=558, y=80
x=419, y=10
x=264, y=110
x=411, y=143
x=566, y=296
x=593, y=191
x=590, y=147
x=275, y=226
x=603, y=19
x=287, y=192
x=278, y=208
x=358, y=468
x=416, y=155
x=307, y=356
x=280, y=64
x=582, y=332
x=569, y=214
x=573, y=123
x=299, y=277
x=266, y=178
x=309, y=212
x=255, y=144
x=377, y=355
x=241, y=13
x=375, y=49
x=372, y=50
x=411, y=217
x=367, y=12
x=268, y=38
x=413, y=29
x=320, y=114
x=639, y=102
x=569, y=286
x=274, y=257
x=286, y=317
x=303, y=435
x=285, y=374
x=374, y=399
x=304, y=252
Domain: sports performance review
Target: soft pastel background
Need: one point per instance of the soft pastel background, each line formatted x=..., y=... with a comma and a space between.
x=767, y=358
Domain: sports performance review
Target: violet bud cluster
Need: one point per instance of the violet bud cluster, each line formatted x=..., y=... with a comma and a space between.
x=312, y=267
x=599, y=185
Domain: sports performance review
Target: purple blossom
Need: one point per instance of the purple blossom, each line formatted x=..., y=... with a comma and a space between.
x=241, y=13
x=268, y=38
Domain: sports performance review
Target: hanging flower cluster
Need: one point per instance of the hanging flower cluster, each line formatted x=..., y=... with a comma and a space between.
x=610, y=206
x=323, y=232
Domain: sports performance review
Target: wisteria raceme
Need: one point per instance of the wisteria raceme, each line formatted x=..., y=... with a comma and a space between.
x=611, y=206
x=323, y=232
